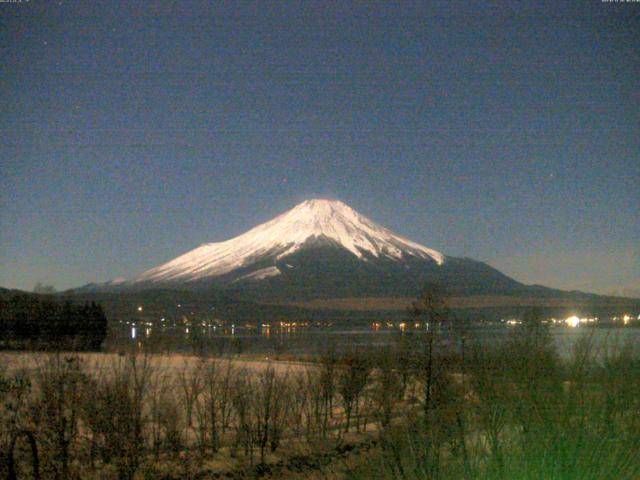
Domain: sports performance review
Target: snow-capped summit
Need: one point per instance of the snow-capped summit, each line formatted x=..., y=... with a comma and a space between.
x=319, y=250
x=331, y=221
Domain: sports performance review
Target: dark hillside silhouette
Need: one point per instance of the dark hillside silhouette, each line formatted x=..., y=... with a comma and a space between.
x=44, y=322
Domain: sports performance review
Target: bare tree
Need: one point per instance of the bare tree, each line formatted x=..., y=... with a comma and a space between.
x=352, y=379
x=386, y=388
x=169, y=420
x=228, y=372
x=57, y=407
x=191, y=385
x=15, y=402
x=35, y=463
x=316, y=405
x=270, y=406
x=299, y=402
x=212, y=417
x=432, y=310
x=114, y=412
x=327, y=378
x=161, y=385
x=241, y=401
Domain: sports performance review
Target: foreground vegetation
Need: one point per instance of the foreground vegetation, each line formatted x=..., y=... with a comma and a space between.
x=517, y=411
x=432, y=406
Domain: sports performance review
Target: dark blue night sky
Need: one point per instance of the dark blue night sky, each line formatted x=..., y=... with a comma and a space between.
x=135, y=131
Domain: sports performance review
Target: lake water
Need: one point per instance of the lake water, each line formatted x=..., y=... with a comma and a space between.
x=306, y=341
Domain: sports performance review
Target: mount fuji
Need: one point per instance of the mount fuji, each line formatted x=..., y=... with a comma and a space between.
x=309, y=224
x=320, y=249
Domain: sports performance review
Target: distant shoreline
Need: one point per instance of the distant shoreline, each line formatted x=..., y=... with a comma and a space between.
x=461, y=302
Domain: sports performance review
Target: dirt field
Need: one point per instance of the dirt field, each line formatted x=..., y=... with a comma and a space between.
x=11, y=361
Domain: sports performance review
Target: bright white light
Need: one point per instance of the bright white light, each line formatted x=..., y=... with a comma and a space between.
x=140, y=308
x=572, y=321
x=133, y=332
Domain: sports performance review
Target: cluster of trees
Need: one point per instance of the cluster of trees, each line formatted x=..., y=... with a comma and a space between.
x=43, y=321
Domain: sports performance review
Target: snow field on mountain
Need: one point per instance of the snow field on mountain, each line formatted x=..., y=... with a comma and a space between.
x=286, y=234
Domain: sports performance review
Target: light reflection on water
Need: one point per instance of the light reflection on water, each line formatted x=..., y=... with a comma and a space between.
x=313, y=340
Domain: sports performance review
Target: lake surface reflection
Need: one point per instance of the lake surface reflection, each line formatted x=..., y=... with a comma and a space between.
x=314, y=340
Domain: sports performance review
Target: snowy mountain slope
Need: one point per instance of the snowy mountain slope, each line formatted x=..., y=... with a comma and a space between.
x=308, y=222
x=318, y=249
